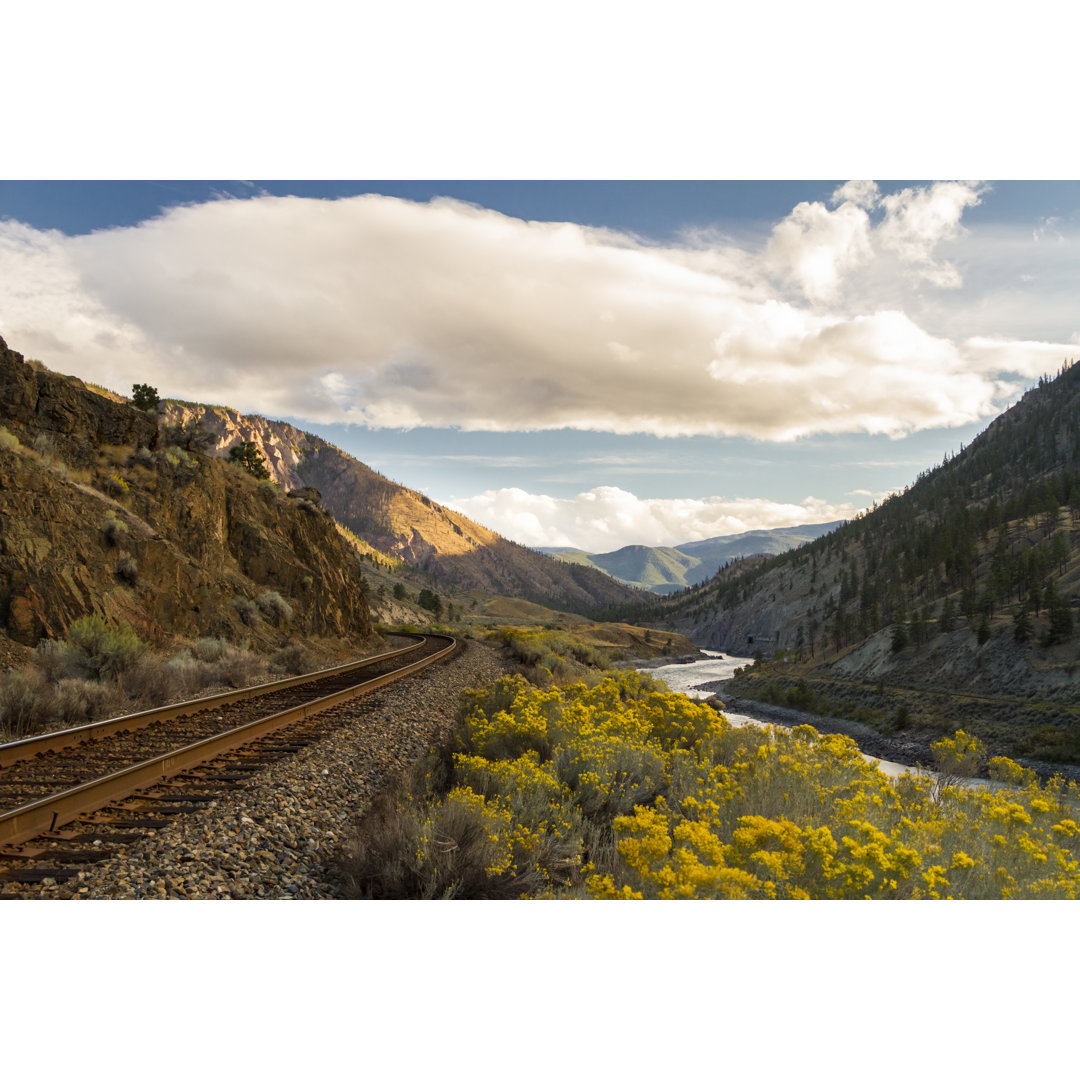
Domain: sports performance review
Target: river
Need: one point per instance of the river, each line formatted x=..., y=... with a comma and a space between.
x=686, y=678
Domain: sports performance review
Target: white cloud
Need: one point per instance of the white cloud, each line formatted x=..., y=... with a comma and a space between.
x=862, y=193
x=918, y=219
x=607, y=518
x=815, y=247
x=815, y=375
x=389, y=313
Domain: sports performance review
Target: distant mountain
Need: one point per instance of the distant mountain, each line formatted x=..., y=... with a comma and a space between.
x=665, y=570
x=400, y=522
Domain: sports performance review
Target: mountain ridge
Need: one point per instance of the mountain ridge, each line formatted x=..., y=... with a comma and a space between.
x=400, y=522
x=666, y=570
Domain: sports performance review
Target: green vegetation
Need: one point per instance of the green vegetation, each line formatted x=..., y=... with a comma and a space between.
x=623, y=790
x=248, y=456
x=550, y=657
x=984, y=533
x=1012, y=725
x=429, y=601
x=145, y=396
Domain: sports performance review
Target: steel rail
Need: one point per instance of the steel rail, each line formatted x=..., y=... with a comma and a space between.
x=47, y=815
x=23, y=749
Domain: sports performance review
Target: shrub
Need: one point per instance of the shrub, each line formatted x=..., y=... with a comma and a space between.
x=648, y=795
x=958, y=759
x=457, y=851
x=94, y=649
x=246, y=609
x=8, y=441
x=187, y=675
x=127, y=569
x=81, y=701
x=238, y=667
x=113, y=529
x=24, y=709
x=148, y=681
x=274, y=607
x=45, y=446
x=29, y=704
x=293, y=659
x=210, y=649
x=116, y=485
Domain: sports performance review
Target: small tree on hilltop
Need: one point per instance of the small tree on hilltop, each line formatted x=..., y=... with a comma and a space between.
x=145, y=396
x=248, y=456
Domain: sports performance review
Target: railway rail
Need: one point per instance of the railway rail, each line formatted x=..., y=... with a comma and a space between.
x=90, y=786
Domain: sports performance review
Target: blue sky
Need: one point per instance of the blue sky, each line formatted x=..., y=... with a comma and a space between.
x=582, y=363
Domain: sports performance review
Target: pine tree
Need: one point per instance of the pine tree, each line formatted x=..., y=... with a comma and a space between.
x=144, y=396
x=1061, y=620
x=1022, y=629
x=948, y=615
x=248, y=456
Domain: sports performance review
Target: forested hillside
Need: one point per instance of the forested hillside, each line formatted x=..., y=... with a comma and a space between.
x=964, y=584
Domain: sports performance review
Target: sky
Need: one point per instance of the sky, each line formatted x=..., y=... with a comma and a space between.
x=581, y=363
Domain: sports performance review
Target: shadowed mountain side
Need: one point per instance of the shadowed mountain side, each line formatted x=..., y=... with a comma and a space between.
x=952, y=604
x=399, y=521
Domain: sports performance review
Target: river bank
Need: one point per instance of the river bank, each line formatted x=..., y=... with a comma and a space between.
x=903, y=751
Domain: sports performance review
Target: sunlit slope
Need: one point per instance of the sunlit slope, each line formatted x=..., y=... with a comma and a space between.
x=401, y=522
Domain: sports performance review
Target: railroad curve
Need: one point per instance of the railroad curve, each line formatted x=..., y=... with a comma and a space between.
x=74, y=774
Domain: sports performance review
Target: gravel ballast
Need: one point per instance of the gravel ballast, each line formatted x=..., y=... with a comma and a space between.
x=278, y=838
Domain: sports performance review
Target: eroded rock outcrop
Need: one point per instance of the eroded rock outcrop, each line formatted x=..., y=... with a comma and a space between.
x=98, y=513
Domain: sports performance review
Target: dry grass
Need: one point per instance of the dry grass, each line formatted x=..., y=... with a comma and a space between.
x=102, y=671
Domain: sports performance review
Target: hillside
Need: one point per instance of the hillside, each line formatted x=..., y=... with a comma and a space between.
x=103, y=514
x=666, y=570
x=399, y=522
x=955, y=600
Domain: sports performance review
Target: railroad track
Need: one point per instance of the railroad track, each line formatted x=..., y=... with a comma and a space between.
x=67, y=799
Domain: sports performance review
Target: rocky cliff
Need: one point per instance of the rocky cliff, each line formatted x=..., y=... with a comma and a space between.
x=400, y=522
x=102, y=512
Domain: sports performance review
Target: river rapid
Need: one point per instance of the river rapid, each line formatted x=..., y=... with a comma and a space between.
x=688, y=678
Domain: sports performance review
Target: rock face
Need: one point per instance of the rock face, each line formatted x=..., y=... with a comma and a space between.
x=400, y=522
x=101, y=514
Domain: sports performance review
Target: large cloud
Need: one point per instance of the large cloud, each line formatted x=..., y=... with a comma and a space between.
x=607, y=518
x=389, y=313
